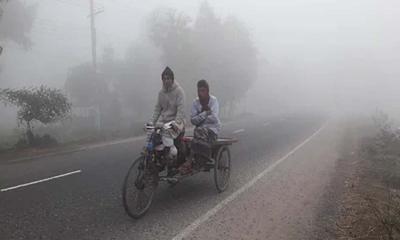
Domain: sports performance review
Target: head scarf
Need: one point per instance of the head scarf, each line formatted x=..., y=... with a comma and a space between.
x=204, y=101
x=168, y=72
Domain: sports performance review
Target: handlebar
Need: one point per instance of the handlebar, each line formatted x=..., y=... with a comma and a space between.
x=166, y=126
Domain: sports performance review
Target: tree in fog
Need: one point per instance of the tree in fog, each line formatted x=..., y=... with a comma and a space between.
x=16, y=21
x=91, y=93
x=116, y=87
x=84, y=86
x=108, y=66
x=41, y=104
x=219, y=50
x=139, y=79
x=110, y=103
x=227, y=55
x=172, y=33
x=239, y=60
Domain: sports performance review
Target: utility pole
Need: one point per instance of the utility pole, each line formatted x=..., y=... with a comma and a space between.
x=94, y=54
x=93, y=34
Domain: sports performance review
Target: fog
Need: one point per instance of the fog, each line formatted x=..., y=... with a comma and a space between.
x=330, y=56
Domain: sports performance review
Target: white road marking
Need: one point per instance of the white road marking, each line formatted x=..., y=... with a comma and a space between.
x=266, y=124
x=39, y=181
x=194, y=225
x=238, y=131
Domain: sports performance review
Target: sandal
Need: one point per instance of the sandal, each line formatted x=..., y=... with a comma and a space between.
x=186, y=168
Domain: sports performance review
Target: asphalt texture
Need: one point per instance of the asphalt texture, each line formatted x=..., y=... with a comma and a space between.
x=88, y=204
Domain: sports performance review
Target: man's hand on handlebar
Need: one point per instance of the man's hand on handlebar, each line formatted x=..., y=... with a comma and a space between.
x=174, y=126
x=148, y=126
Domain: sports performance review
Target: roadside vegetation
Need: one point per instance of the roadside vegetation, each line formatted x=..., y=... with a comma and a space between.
x=370, y=204
x=43, y=105
x=115, y=98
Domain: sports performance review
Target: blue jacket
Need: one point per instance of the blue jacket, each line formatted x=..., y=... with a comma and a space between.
x=201, y=119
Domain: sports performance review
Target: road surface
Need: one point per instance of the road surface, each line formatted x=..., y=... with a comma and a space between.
x=78, y=195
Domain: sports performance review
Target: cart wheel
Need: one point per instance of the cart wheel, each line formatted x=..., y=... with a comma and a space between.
x=138, y=189
x=222, y=168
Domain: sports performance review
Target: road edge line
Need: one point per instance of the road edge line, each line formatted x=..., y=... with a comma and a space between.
x=40, y=181
x=194, y=225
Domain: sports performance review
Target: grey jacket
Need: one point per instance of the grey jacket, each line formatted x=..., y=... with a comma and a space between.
x=199, y=118
x=170, y=105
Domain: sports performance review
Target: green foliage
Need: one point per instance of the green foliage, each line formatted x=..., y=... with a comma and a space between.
x=42, y=104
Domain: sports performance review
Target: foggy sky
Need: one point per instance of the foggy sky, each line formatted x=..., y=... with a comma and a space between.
x=316, y=52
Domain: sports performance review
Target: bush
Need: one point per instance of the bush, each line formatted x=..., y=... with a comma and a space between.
x=22, y=143
x=383, y=152
x=371, y=206
x=43, y=141
x=42, y=104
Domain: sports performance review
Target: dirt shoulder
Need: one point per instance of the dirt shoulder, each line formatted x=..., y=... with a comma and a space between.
x=363, y=198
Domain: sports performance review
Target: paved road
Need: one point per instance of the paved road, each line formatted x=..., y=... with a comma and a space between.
x=87, y=203
x=285, y=201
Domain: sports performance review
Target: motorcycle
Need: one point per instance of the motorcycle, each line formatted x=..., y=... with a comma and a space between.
x=154, y=165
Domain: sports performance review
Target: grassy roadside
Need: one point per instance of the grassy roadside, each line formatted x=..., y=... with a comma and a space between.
x=9, y=149
x=368, y=205
x=69, y=137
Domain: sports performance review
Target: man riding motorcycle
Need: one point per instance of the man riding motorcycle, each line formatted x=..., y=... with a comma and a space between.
x=170, y=107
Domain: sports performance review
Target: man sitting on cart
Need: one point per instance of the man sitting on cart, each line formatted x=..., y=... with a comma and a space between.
x=204, y=116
